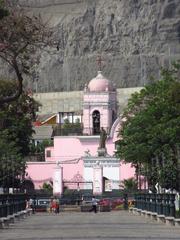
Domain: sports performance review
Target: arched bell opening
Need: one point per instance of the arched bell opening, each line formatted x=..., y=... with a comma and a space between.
x=96, y=122
x=114, y=116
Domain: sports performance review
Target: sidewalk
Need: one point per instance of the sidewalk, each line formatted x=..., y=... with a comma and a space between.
x=89, y=226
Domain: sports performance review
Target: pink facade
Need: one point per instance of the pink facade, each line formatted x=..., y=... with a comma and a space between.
x=77, y=154
x=40, y=172
x=69, y=152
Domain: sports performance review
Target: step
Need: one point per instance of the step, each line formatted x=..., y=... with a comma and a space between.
x=70, y=208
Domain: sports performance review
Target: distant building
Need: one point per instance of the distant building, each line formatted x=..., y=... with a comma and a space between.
x=77, y=161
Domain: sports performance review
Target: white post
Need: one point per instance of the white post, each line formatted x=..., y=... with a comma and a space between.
x=57, y=181
x=97, y=180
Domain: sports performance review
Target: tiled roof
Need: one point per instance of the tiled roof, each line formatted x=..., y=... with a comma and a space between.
x=42, y=132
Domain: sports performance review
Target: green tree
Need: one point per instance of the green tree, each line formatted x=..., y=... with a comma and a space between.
x=40, y=147
x=16, y=118
x=150, y=133
x=129, y=184
x=3, y=10
x=48, y=188
x=12, y=164
x=15, y=132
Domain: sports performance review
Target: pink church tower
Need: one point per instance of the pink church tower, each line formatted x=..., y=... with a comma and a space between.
x=99, y=105
x=82, y=159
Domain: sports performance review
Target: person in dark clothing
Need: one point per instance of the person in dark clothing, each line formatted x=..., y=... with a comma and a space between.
x=33, y=204
x=94, y=205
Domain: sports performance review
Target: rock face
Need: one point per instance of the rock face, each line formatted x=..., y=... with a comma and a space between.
x=133, y=37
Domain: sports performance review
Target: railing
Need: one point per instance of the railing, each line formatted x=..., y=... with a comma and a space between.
x=92, y=131
x=12, y=203
x=159, y=203
x=60, y=131
x=71, y=131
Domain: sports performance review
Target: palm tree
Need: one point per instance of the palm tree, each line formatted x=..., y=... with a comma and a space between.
x=129, y=184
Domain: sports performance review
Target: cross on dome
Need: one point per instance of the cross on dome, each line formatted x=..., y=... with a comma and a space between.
x=99, y=83
x=99, y=62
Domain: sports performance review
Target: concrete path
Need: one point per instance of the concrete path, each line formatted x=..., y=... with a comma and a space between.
x=118, y=225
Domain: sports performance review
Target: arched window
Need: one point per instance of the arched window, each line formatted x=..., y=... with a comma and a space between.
x=96, y=122
x=113, y=116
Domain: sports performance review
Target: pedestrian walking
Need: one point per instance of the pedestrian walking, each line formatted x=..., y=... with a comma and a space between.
x=27, y=203
x=51, y=205
x=32, y=203
x=55, y=205
x=94, y=205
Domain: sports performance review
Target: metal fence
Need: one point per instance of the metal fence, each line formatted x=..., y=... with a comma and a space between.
x=159, y=203
x=12, y=203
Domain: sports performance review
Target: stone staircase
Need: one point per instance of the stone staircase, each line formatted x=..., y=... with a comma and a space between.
x=83, y=208
x=70, y=208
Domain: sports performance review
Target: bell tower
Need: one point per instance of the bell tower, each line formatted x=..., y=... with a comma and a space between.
x=99, y=105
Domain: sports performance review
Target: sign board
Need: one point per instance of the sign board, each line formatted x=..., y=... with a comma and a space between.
x=108, y=186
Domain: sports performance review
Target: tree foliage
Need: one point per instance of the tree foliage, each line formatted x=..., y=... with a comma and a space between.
x=48, y=188
x=68, y=128
x=21, y=36
x=12, y=164
x=3, y=10
x=40, y=147
x=150, y=133
x=15, y=133
x=129, y=184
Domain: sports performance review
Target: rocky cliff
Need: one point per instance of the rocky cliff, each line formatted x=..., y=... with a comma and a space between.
x=134, y=38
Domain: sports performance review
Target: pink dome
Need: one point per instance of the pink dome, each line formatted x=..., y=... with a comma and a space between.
x=100, y=84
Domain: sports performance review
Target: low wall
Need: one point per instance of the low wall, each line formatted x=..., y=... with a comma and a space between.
x=55, y=102
x=47, y=3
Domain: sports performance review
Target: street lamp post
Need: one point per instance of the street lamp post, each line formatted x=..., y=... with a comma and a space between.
x=78, y=190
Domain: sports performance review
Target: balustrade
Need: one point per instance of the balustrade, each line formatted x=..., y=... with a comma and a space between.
x=12, y=203
x=159, y=203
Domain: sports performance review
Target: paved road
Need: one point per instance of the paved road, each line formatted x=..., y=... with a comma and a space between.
x=118, y=225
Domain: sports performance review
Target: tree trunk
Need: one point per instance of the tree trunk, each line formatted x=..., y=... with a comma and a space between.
x=16, y=95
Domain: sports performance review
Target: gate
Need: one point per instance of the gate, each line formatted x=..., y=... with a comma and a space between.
x=75, y=192
x=82, y=186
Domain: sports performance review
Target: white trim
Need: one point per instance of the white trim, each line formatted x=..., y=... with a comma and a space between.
x=48, y=119
x=117, y=121
x=95, y=137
